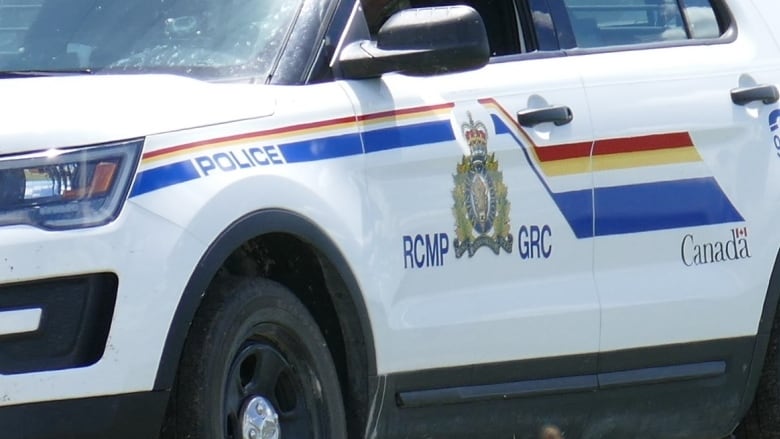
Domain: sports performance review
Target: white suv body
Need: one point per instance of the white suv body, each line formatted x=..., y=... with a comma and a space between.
x=577, y=239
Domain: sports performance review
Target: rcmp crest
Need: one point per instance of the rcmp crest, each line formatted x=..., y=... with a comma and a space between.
x=481, y=207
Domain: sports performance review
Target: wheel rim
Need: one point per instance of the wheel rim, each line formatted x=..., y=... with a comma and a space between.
x=259, y=419
x=264, y=394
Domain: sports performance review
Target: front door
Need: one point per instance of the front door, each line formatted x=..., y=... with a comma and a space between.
x=477, y=223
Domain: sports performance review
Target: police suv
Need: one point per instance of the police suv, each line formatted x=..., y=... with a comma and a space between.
x=241, y=219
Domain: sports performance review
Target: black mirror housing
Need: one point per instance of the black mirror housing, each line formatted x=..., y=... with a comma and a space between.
x=424, y=41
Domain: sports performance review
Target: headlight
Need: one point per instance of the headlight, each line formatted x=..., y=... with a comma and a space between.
x=67, y=188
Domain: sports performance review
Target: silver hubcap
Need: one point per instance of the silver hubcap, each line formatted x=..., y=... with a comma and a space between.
x=259, y=420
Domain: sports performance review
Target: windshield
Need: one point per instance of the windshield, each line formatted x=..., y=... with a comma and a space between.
x=208, y=39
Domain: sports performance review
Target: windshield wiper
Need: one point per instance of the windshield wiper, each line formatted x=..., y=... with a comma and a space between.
x=37, y=73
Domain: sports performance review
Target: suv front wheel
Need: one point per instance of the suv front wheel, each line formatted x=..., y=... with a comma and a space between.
x=255, y=365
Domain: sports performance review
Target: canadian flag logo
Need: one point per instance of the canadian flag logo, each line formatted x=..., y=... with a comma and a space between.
x=695, y=252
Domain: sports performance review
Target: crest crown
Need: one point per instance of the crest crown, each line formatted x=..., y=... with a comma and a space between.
x=476, y=137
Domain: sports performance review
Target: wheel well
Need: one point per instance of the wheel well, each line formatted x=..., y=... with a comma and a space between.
x=301, y=267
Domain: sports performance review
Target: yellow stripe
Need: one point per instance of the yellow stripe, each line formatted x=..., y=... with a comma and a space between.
x=443, y=113
x=245, y=140
x=313, y=132
x=580, y=165
x=626, y=160
x=645, y=158
x=608, y=162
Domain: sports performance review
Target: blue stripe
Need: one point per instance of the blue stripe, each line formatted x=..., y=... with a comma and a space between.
x=500, y=126
x=661, y=206
x=322, y=149
x=577, y=208
x=411, y=135
x=619, y=210
x=640, y=207
x=164, y=176
x=312, y=150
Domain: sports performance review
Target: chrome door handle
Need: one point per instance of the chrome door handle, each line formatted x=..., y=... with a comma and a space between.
x=560, y=115
x=767, y=94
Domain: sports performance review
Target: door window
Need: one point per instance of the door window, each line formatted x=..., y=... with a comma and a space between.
x=601, y=23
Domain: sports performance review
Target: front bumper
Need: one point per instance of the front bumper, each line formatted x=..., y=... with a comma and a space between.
x=152, y=260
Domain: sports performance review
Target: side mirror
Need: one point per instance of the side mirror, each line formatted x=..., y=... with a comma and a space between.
x=422, y=41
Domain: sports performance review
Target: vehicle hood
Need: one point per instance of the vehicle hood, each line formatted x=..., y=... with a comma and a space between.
x=52, y=112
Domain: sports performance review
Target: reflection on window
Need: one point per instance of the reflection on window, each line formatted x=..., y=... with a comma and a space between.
x=16, y=16
x=546, y=37
x=701, y=19
x=202, y=38
x=599, y=23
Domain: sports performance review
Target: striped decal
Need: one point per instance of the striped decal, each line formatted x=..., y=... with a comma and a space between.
x=312, y=131
x=322, y=149
x=318, y=142
x=628, y=208
x=653, y=150
x=577, y=208
x=608, y=154
x=407, y=136
x=267, y=136
x=164, y=176
x=631, y=208
x=662, y=205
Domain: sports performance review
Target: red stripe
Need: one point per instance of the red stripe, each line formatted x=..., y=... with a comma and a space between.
x=546, y=153
x=282, y=130
x=602, y=147
x=643, y=143
x=288, y=129
x=563, y=152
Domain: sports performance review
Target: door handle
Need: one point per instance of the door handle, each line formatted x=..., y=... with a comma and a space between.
x=558, y=115
x=767, y=94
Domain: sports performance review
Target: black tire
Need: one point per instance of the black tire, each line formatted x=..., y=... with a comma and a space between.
x=762, y=421
x=253, y=337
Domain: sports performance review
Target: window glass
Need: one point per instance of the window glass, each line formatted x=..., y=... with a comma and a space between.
x=16, y=16
x=701, y=19
x=546, y=37
x=378, y=11
x=209, y=39
x=598, y=23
